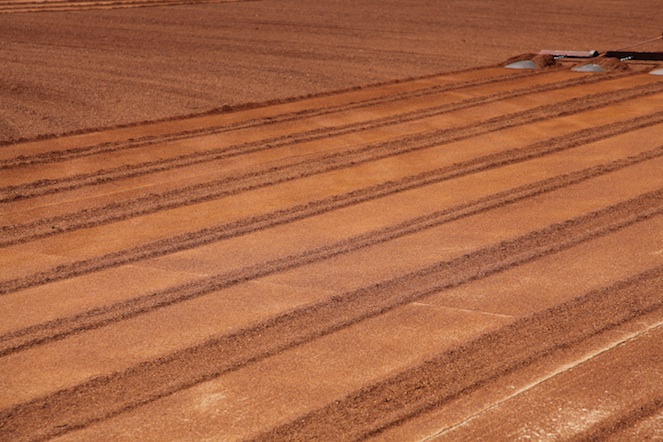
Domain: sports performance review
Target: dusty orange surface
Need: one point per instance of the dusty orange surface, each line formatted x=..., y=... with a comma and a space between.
x=470, y=255
x=95, y=67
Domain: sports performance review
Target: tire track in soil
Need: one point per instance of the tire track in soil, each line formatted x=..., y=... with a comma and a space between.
x=61, y=328
x=73, y=5
x=92, y=217
x=287, y=117
x=405, y=395
x=617, y=424
x=203, y=192
x=105, y=176
x=261, y=222
x=465, y=369
x=529, y=152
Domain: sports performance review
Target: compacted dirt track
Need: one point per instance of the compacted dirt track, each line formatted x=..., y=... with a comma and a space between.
x=468, y=255
x=285, y=220
x=9, y=7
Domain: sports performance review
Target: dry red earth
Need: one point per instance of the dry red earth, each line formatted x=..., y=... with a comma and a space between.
x=91, y=68
x=472, y=254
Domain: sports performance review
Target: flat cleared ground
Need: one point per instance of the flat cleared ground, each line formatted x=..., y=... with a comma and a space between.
x=103, y=63
x=469, y=255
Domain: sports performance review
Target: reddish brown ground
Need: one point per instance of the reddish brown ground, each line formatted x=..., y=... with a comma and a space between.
x=470, y=255
x=67, y=71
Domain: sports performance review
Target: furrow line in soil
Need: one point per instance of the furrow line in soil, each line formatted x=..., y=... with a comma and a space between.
x=617, y=424
x=73, y=153
x=292, y=138
x=249, y=225
x=103, y=176
x=467, y=368
x=208, y=191
x=49, y=186
x=409, y=393
x=40, y=334
x=254, y=224
x=27, y=7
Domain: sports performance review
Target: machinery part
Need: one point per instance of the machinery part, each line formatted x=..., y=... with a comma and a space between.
x=634, y=55
x=569, y=54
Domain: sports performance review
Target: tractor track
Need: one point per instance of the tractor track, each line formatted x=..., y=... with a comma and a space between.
x=467, y=368
x=313, y=208
x=617, y=424
x=105, y=176
x=403, y=396
x=81, y=5
x=208, y=191
x=108, y=147
x=40, y=334
x=276, y=221
x=92, y=217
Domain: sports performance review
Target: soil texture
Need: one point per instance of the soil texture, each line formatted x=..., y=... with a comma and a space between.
x=438, y=250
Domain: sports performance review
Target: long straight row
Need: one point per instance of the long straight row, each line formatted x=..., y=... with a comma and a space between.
x=13, y=7
x=341, y=267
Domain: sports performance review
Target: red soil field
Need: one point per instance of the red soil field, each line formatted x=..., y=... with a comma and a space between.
x=62, y=72
x=404, y=241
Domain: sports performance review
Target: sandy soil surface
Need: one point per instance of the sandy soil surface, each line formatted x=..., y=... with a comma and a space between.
x=95, y=67
x=470, y=255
